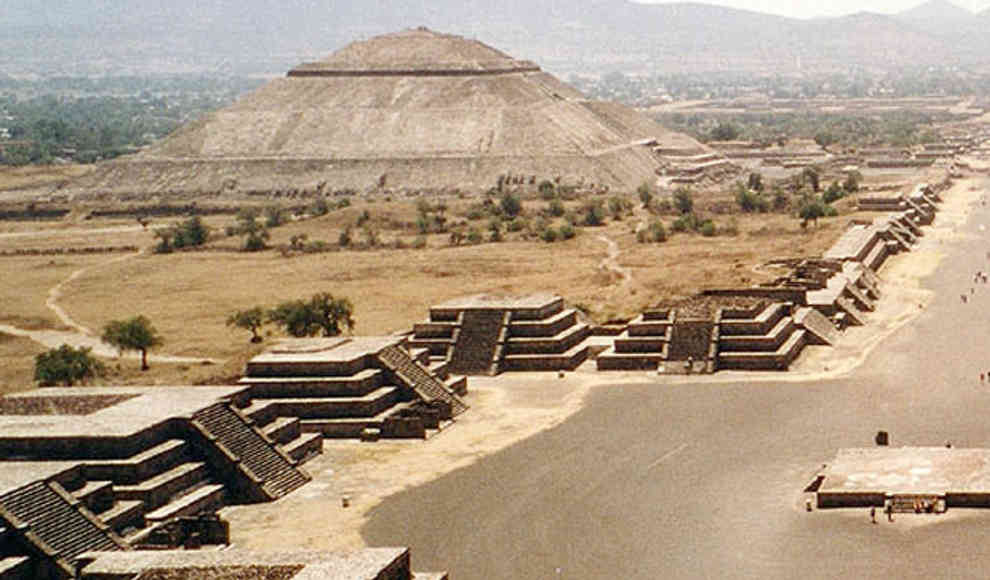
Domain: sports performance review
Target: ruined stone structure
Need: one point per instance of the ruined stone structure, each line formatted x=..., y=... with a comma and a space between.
x=410, y=110
x=107, y=469
x=367, y=387
x=766, y=327
x=486, y=335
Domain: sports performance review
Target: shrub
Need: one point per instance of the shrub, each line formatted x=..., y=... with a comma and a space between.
x=645, y=195
x=547, y=190
x=567, y=232
x=548, y=235
x=419, y=242
x=708, y=228
x=510, y=205
x=594, y=214
x=516, y=225
x=274, y=216
x=656, y=232
x=319, y=207
x=66, y=365
x=474, y=236
x=683, y=200
x=345, y=239
x=556, y=208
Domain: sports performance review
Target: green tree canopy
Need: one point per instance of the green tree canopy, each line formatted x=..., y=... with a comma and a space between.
x=251, y=320
x=322, y=311
x=132, y=334
x=66, y=365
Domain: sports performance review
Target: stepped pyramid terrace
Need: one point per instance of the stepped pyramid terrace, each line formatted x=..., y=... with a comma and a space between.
x=414, y=109
x=486, y=335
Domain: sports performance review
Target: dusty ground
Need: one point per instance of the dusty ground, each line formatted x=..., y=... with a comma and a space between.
x=515, y=407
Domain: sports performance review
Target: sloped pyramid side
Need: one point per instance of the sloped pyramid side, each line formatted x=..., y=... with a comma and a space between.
x=416, y=130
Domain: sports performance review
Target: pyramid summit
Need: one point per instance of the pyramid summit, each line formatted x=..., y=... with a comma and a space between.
x=409, y=110
x=415, y=51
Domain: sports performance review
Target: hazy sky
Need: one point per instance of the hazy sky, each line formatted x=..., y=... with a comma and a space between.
x=810, y=9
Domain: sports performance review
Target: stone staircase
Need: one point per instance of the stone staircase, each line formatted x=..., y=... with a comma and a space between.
x=257, y=454
x=477, y=341
x=428, y=387
x=55, y=523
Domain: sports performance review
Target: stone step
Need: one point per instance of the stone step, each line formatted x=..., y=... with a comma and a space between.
x=304, y=447
x=16, y=568
x=124, y=514
x=332, y=407
x=283, y=429
x=140, y=467
x=156, y=491
x=358, y=384
x=207, y=498
x=97, y=496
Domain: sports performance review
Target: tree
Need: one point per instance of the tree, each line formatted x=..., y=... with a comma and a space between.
x=755, y=182
x=330, y=313
x=811, y=174
x=683, y=200
x=66, y=365
x=301, y=318
x=255, y=233
x=645, y=195
x=547, y=190
x=132, y=334
x=811, y=211
x=251, y=320
x=851, y=183
x=191, y=232
x=510, y=205
x=725, y=132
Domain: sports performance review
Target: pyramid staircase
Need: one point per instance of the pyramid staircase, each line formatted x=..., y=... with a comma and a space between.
x=419, y=379
x=54, y=525
x=254, y=451
x=477, y=341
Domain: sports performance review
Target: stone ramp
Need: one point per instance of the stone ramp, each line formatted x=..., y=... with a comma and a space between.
x=57, y=526
x=820, y=329
x=256, y=453
x=418, y=378
x=477, y=342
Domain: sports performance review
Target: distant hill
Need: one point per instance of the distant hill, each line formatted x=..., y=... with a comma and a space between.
x=66, y=36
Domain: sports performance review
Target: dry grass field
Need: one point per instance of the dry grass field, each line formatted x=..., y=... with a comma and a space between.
x=15, y=178
x=188, y=296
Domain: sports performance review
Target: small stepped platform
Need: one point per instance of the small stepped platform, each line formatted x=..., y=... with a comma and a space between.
x=609, y=360
x=97, y=496
x=351, y=427
x=554, y=344
x=770, y=341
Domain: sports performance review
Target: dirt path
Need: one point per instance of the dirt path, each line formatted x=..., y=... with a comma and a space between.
x=80, y=336
x=611, y=264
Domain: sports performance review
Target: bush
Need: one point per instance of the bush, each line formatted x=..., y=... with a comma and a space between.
x=556, y=208
x=66, y=365
x=547, y=190
x=708, y=228
x=510, y=205
x=645, y=195
x=833, y=193
x=548, y=235
x=419, y=242
x=474, y=236
x=345, y=238
x=594, y=214
x=274, y=216
x=319, y=207
x=686, y=223
x=683, y=200
x=751, y=201
x=516, y=225
x=567, y=232
x=657, y=233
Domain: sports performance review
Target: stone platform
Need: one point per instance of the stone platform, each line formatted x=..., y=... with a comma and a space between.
x=882, y=476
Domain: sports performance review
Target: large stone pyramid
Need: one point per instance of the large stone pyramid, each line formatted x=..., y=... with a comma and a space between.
x=410, y=110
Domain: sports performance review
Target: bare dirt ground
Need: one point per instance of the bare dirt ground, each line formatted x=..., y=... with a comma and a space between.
x=510, y=409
